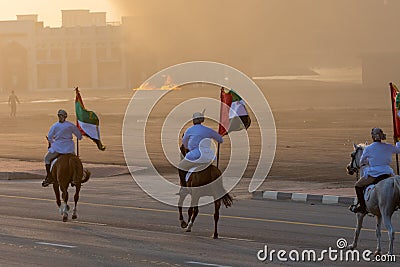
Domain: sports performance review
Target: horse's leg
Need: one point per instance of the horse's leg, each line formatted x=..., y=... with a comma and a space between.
x=360, y=218
x=65, y=204
x=217, y=205
x=180, y=204
x=193, y=214
x=388, y=224
x=195, y=211
x=378, y=235
x=57, y=193
x=190, y=215
x=76, y=198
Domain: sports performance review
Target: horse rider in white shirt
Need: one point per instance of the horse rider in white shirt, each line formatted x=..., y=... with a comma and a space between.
x=60, y=142
x=377, y=158
x=197, y=139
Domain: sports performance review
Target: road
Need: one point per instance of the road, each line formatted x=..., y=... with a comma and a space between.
x=119, y=225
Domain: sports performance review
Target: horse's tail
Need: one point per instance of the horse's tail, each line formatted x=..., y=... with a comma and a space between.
x=227, y=200
x=86, y=176
x=77, y=170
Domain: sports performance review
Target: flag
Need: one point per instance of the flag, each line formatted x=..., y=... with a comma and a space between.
x=87, y=121
x=233, y=113
x=395, y=97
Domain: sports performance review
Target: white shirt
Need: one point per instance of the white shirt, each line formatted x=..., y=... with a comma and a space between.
x=378, y=156
x=197, y=139
x=60, y=137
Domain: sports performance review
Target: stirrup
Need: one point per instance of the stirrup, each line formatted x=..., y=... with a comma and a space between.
x=357, y=209
x=46, y=182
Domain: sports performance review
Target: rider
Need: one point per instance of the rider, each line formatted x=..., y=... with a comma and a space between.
x=197, y=139
x=377, y=158
x=60, y=142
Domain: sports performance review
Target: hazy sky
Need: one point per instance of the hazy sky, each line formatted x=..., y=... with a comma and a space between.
x=49, y=10
x=260, y=33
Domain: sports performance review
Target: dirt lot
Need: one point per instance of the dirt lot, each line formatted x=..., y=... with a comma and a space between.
x=316, y=123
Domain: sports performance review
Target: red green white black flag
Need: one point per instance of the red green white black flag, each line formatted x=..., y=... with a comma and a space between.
x=87, y=121
x=233, y=113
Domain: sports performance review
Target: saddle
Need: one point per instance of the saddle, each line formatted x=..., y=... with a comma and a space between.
x=60, y=155
x=369, y=188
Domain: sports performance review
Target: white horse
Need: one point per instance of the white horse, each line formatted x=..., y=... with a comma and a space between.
x=382, y=202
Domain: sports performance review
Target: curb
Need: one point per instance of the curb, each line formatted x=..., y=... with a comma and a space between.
x=303, y=197
x=19, y=176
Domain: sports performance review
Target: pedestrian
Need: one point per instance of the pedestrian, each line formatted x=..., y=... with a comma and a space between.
x=12, y=102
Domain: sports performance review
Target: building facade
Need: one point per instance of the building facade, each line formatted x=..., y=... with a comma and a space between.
x=85, y=51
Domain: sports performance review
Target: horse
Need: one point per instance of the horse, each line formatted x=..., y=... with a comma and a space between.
x=383, y=201
x=66, y=170
x=195, y=187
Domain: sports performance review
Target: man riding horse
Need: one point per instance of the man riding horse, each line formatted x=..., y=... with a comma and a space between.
x=377, y=156
x=60, y=142
x=197, y=139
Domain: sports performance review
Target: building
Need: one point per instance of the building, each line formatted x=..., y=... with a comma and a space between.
x=85, y=51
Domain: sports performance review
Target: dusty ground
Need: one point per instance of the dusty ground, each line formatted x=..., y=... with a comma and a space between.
x=316, y=125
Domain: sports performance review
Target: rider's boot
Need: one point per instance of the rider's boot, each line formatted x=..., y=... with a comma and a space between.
x=360, y=196
x=48, y=180
x=182, y=177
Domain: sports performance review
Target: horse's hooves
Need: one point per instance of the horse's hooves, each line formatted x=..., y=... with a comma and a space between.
x=183, y=224
x=74, y=217
x=351, y=247
x=188, y=230
x=377, y=253
x=65, y=218
x=67, y=207
x=215, y=236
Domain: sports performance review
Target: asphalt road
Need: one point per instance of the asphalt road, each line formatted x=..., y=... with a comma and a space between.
x=119, y=225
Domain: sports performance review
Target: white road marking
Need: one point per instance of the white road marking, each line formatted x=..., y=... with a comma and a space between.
x=91, y=223
x=55, y=245
x=206, y=264
x=239, y=239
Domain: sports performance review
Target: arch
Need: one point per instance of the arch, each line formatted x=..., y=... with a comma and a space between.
x=13, y=67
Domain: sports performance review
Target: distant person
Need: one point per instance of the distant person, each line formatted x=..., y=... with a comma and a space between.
x=12, y=101
x=60, y=142
x=377, y=156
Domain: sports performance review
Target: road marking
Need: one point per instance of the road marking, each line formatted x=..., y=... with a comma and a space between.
x=206, y=264
x=239, y=239
x=55, y=245
x=91, y=223
x=203, y=214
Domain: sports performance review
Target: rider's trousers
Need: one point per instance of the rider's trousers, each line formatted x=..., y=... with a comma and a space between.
x=50, y=156
x=365, y=181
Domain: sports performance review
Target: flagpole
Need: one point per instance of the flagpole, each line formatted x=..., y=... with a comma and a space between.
x=218, y=154
x=77, y=146
x=394, y=124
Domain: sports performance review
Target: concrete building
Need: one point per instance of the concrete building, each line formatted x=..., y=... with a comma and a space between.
x=85, y=51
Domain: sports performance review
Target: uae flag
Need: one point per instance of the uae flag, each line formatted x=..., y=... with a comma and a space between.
x=233, y=113
x=87, y=121
x=395, y=97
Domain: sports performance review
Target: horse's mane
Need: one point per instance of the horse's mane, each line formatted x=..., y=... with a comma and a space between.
x=362, y=145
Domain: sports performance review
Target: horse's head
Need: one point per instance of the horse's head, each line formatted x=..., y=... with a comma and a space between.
x=354, y=165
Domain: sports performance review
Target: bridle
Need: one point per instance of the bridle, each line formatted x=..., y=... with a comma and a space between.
x=354, y=166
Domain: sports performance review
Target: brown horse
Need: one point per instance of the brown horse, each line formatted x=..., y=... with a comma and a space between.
x=68, y=169
x=196, y=187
